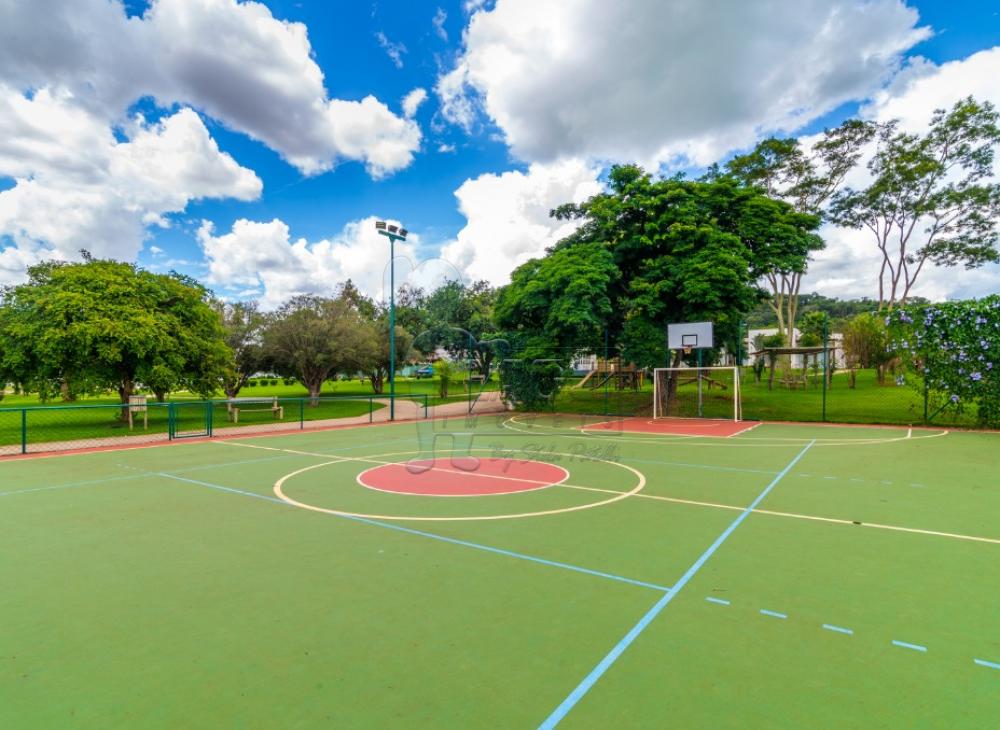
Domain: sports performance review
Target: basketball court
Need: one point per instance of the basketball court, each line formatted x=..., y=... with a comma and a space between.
x=514, y=570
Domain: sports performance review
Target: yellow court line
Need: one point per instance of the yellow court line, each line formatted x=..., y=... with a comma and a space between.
x=378, y=462
x=795, y=515
x=697, y=503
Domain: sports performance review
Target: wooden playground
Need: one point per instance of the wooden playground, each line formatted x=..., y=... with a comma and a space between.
x=623, y=376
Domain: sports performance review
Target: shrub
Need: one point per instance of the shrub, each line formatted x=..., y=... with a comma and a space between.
x=955, y=349
x=251, y=383
x=445, y=370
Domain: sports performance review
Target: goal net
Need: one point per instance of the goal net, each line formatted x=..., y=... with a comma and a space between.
x=693, y=392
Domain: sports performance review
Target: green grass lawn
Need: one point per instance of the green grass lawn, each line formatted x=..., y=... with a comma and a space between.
x=95, y=417
x=172, y=587
x=867, y=402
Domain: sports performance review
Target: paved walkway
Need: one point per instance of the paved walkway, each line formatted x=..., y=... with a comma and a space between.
x=406, y=410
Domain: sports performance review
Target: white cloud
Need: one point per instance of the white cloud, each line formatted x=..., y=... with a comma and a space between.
x=262, y=255
x=233, y=60
x=440, y=16
x=413, y=100
x=849, y=265
x=78, y=187
x=394, y=51
x=508, y=216
x=662, y=80
x=445, y=148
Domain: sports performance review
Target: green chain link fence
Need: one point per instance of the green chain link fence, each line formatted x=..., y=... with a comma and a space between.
x=37, y=429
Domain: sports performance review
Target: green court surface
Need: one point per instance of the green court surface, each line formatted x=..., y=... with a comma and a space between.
x=788, y=576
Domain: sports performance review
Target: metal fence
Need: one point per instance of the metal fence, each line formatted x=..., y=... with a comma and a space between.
x=600, y=380
x=37, y=429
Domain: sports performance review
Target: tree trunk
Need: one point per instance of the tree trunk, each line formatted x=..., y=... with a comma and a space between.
x=377, y=379
x=315, y=388
x=161, y=396
x=126, y=388
x=672, y=385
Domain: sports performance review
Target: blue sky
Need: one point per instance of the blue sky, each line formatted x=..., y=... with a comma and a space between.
x=353, y=42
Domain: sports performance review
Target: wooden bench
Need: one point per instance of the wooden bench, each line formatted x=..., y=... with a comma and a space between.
x=481, y=379
x=266, y=404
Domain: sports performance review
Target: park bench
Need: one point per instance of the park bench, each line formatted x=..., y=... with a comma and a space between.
x=479, y=379
x=236, y=405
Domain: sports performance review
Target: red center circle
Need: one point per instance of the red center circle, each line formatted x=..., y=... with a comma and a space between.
x=465, y=476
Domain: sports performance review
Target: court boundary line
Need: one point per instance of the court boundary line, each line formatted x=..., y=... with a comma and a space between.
x=425, y=534
x=598, y=671
x=758, y=441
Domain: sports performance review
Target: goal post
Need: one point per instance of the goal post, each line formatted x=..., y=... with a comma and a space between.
x=697, y=392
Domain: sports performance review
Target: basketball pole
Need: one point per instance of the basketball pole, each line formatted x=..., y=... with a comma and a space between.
x=393, y=233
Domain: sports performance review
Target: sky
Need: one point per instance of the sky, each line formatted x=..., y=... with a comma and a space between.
x=252, y=145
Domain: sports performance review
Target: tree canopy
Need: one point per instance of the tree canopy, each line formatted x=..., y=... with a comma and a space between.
x=931, y=197
x=110, y=325
x=648, y=253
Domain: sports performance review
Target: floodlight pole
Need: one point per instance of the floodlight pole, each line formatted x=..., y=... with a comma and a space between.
x=393, y=233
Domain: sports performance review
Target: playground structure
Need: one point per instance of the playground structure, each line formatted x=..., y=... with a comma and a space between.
x=623, y=376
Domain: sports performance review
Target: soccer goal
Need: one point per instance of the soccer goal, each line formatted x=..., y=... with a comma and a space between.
x=697, y=392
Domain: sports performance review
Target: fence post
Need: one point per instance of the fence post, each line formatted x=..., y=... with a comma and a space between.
x=926, y=398
x=209, y=413
x=302, y=413
x=425, y=405
x=171, y=421
x=826, y=364
x=24, y=430
x=605, y=365
x=371, y=407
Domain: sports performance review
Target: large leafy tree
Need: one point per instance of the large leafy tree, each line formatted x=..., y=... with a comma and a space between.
x=311, y=337
x=558, y=305
x=110, y=325
x=242, y=325
x=807, y=179
x=932, y=198
x=458, y=318
x=373, y=355
x=683, y=251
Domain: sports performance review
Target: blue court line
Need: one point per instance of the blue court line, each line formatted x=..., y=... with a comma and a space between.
x=431, y=535
x=70, y=485
x=720, y=601
x=839, y=629
x=597, y=672
x=984, y=663
x=905, y=645
x=773, y=613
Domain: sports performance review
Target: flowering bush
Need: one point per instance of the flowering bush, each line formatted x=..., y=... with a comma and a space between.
x=955, y=348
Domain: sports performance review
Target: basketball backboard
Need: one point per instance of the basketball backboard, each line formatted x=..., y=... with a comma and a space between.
x=690, y=335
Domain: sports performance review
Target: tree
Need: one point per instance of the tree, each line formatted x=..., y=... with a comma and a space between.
x=807, y=180
x=109, y=324
x=813, y=326
x=866, y=345
x=559, y=304
x=684, y=251
x=373, y=352
x=311, y=337
x=242, y=324
x=459, y=318
x=648, y=253
x=930, y=199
